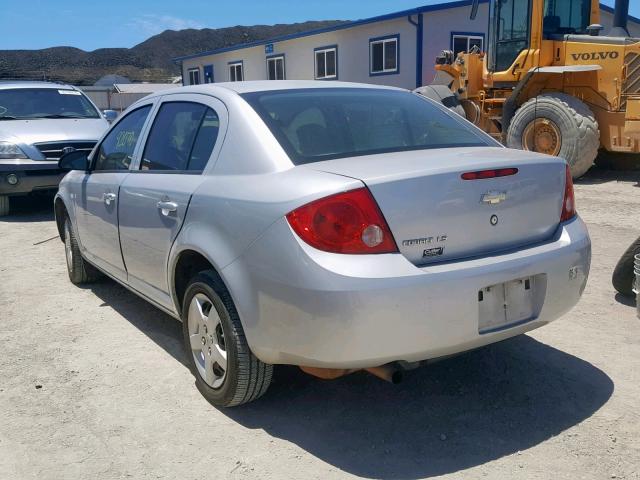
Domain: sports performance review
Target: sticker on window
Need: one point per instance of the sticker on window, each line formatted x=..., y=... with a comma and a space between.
x=69, y=92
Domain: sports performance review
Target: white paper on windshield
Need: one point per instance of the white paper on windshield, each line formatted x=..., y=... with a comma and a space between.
x=69, y=92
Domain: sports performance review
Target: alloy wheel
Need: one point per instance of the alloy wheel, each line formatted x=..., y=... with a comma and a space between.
x=206, y=337
x=68, y=249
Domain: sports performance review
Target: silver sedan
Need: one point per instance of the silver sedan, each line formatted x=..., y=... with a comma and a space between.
x=328, y=225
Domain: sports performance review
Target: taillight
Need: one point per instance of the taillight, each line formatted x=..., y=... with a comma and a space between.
x=569, y=201
x=348, y=222
x=493, y=173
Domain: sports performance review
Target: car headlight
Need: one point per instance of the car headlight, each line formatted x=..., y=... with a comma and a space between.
x=11, y=150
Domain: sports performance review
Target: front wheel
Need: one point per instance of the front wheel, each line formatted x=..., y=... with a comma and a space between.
x=227, y=373
x=79, y=270
x=560, y=125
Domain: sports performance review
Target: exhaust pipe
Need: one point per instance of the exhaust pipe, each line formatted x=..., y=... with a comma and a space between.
x=620, y=19
x=389, y=373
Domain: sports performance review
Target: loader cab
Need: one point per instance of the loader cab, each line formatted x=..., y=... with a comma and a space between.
x=518, y=27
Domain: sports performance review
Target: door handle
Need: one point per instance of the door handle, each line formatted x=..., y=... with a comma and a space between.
x=166, y=208
x=108, y=198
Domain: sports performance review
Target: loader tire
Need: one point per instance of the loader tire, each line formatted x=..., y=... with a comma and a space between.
x=564, y=126
x=442, y=94
x=623, y=275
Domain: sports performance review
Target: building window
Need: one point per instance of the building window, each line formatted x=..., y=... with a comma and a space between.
x=236, y=73
x=383, y=55
x=194, y=76
x=275, y=67
x=464, y=42
x=326, y=63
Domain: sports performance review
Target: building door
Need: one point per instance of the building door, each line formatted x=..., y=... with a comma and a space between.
x=208, y=74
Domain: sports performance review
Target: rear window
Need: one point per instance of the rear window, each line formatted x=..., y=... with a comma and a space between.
x=327, y=123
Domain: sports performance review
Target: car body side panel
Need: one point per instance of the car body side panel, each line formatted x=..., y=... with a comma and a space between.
x=146, y=231
x=249, y=147
x=97, y=220
x=228, y=213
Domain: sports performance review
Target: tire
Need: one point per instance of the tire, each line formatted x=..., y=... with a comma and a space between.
x=4, y=205
x=623, y=275
x=226, y=371
x=80, y=272
x=578, y=128
x=442, y=94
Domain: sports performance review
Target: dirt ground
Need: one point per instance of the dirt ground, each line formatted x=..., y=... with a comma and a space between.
x=93, y=384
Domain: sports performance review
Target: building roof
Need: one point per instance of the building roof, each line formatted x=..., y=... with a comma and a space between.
x=341, y=26
x=110, y=79
x=143, y=87
x=354, y=23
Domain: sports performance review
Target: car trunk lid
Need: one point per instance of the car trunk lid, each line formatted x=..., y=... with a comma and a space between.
x=435, y=215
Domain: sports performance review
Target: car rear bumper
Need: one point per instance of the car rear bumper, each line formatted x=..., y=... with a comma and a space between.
x=32, y=175
x=302, y=306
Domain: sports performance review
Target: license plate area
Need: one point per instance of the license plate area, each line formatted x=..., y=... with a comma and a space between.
x=511, y=303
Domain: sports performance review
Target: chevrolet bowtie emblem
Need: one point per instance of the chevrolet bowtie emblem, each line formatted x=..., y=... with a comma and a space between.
x=493, y=198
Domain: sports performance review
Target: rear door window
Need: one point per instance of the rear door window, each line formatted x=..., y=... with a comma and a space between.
x=182, y=137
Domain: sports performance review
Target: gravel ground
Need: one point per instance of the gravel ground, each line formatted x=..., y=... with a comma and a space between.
x=93, y=384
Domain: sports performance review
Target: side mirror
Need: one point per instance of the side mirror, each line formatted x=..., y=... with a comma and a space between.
x=110, y=115
x=76, y=160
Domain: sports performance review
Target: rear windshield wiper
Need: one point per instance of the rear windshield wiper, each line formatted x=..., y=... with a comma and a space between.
x=8, y=117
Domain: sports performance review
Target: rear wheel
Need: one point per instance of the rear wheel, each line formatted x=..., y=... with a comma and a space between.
x=227, y=373
x=623, y=274
x=557, y=124
x=79, y=270
x=4, y=205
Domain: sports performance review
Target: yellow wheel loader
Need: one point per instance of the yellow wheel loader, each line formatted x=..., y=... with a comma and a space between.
x=550, y=81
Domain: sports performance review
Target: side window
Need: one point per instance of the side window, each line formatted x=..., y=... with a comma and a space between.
x=275, y=67
x=117, y=148
x=182, y=137
x=464, y=43
x=235, y=72
x=205, y=141
x=513, y=31
x=326, y=63
x=194, y=76
x=383, y=55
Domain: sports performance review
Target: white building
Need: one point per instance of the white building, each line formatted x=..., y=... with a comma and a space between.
x=397, y=49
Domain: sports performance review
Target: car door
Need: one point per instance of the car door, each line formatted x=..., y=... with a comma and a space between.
x=184, y=137
x=98, y=205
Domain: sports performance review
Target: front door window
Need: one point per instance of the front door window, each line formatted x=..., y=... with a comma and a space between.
x=116, y=150
x=510, y=26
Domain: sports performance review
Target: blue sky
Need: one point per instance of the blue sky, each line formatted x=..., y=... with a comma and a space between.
x=91, y=24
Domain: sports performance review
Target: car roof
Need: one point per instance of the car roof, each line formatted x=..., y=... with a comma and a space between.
x=267, y=85
x=32, y=84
